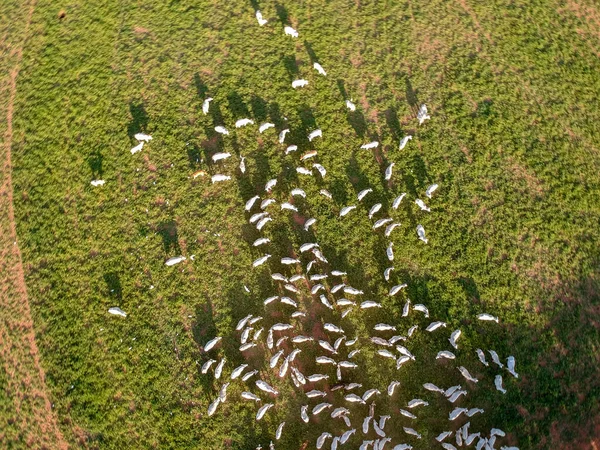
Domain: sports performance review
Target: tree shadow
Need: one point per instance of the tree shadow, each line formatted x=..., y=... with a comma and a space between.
x=566, y=370
x=139, y=119
x=94, y=160
x=168, y=233
x=113, y=284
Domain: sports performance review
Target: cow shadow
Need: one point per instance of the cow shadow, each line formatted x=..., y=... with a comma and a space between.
x=291, y=66
x=391, y=118
x=139, y=119
x=259, y=108
x=411, y=96
x=194, y=154
x=113, y=285
x=170, y=237
x=311, y=53
x=282, y=13
x=274, y=112
x=201, y=87
x=237, y=106
x=95, y=160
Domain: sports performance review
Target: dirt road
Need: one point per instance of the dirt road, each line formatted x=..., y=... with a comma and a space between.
x=27, y=419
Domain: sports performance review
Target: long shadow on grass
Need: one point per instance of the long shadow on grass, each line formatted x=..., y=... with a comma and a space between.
x=420, y=172
x=201, y=87
x=356, y=119
x=470, y=287
x=337, y=187
x=357, y=176
x=311, y=53
x=408, y=179
x=259, y=108
x=113, y=285
x=384, y=163
x=194, y=154
x=300, y=126
x=379, y=246
x=391, y=118
x=289, y=62
x=94, y=160
x=239, y=110
x=342, y=87
x=139, y=119
x=411, y=96
x=237, y=106
x=203, y=330
x=168, y=233
x=213, y=142
x=263, y=171
x=276, y=116
x=282, y=13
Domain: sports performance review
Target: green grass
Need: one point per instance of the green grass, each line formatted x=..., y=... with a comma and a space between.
x=513, y=143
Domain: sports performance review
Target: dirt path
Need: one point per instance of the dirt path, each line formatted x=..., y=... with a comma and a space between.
x=30, y=421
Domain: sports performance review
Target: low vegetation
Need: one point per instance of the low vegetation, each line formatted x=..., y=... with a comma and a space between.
x=512, y=89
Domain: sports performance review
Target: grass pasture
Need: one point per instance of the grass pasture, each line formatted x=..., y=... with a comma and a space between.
x=512, y=88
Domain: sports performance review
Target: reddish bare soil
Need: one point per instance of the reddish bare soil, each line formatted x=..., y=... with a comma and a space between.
x=33, y=423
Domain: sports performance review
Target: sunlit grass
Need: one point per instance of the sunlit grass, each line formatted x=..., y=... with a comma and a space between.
x=513, y=143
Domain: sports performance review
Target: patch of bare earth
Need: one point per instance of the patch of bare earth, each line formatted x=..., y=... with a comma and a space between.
x=525, y=176
x=33, y=423
x=432, y=49
x=589, y=15
x=463, y=4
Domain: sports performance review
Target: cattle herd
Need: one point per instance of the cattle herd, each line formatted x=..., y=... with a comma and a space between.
x=314, y=342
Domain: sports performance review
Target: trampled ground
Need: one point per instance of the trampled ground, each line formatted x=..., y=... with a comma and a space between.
x=512, y=87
